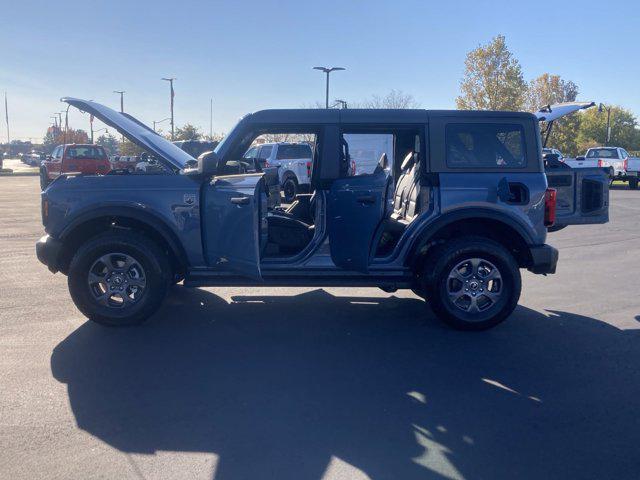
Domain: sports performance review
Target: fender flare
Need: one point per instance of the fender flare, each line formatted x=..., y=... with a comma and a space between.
x=429, y=230
x=153, y=220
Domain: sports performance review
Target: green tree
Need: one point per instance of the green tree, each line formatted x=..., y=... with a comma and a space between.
x=492, y=80
x=109, y=142
x=56, y=136
x=129, y=148
x=624, y=131
x=188, y=132
x=549, y=89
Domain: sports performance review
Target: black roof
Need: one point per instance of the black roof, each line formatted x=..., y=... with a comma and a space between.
x=356, y=115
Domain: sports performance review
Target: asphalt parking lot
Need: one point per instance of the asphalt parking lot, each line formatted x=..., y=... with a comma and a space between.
x=247, y=383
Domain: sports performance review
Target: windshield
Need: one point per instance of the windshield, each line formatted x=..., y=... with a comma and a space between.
x=603, y=153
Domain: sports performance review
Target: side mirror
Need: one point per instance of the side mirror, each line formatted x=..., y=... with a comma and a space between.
x=208, y=163
x=48, y=158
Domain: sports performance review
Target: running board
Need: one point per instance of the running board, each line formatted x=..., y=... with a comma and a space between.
x=207, y=278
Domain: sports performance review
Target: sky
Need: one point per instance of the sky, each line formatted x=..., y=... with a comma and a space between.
x=251, y=55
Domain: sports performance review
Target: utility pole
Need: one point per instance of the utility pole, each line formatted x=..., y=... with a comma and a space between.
x=170, y=80
x=327, y=71
x=6, y=117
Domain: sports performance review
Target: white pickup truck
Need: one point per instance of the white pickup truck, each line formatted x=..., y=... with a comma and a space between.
x=611, y=158
x=293, y=161
x=633, y=172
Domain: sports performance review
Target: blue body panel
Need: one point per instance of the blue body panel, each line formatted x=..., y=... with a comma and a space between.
x=171, y=201
x=459, y=191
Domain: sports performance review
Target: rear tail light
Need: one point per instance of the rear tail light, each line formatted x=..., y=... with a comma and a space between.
x=626, y=163
x=600, y=163
x=549, y=207
x=309, y=169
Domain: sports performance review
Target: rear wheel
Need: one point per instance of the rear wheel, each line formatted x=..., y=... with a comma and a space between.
x=633, y=183
x=290, y=188
x=473, y=283
x=119, y=279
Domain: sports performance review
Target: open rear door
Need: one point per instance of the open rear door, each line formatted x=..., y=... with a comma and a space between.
x=582, y=195
x=231, y=223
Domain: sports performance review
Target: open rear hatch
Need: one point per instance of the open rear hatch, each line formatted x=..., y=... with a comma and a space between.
x=583, y=193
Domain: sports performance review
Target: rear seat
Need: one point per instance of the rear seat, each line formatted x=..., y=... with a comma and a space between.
x=406, y=201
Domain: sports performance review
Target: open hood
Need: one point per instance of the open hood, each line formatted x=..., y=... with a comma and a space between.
x=136, y=131
x=550, y=113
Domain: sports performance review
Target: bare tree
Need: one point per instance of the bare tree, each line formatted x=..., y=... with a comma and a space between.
x=393, y=99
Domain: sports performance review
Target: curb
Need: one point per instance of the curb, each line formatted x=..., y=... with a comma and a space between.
x=7, y=172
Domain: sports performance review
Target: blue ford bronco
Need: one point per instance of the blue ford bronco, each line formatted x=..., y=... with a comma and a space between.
x=456, y=204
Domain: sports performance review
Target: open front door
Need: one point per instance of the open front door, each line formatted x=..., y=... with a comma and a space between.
x=231, y=223
x=582, y=195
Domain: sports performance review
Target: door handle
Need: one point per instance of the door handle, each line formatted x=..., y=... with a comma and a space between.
x=366, y=199
x=241, y=200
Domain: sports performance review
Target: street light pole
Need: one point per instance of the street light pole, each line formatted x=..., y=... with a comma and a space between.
x=170, y=80
x=121, y=93
x=602, y=107
x=211, y=119
x=327, y=71
x=157, y=122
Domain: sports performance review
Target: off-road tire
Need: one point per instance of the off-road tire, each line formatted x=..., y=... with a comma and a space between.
x=290, y=188
x=443, y=260
x=146, y=252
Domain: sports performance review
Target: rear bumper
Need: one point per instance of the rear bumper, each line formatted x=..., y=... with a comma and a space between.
x=544, y=259
x=48, y=252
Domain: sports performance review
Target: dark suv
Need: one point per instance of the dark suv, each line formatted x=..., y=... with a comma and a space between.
x=457, y=204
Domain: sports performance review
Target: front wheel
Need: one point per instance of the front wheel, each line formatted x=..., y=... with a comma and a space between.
x=118, y=278
x=473, y=283
x=44, y=179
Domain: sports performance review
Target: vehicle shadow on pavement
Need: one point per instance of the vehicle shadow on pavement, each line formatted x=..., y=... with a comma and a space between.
x=278, y=386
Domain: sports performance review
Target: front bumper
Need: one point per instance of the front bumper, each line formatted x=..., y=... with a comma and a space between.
x=48, y=252
x=544, y=259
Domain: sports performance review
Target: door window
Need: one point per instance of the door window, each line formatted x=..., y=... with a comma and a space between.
x=251, y=153
x=365, y=151
x=265, y=152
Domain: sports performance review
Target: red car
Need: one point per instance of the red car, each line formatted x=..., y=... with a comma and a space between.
x=74, y=158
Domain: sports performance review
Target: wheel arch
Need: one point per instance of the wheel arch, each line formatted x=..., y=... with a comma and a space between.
x=494, y=225
x=90, y=224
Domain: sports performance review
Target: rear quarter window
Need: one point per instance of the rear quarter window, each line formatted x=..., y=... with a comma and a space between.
x=290, y=152
x=480, y=145
x=86, y=153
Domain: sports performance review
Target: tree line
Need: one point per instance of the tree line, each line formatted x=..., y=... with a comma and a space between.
x=493, y=80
